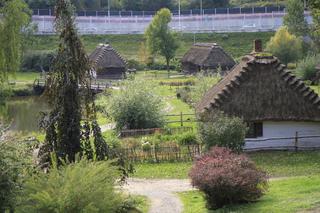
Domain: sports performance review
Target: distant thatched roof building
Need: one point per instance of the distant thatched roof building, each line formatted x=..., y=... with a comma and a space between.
x=206, y=56
x=107, y=62
x=262, y=92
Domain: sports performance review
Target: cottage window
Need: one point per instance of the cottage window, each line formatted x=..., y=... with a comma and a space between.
x=255, y=130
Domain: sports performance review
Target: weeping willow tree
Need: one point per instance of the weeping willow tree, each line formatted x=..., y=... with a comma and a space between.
x=71, y=126
x=15, y=16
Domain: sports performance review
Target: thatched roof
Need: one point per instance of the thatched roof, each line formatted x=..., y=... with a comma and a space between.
x=104, y=56
x=260, y=89
x=208, y=55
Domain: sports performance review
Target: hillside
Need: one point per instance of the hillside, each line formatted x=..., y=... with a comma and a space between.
x=236, y=44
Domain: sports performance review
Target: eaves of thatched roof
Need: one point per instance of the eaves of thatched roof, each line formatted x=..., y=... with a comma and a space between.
x=104, y=56
x=208, y=55
x=260, y=89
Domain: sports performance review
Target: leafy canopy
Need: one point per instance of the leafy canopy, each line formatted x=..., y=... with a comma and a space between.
x=135, y=106
x=306, y=68
x=223, y=131
x=315, y=11
x=159, y=37
x=285, y=46
x=15, y=17
x=294, y=19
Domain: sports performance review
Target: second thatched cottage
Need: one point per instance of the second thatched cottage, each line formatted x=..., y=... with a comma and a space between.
x=207, y=57
x=277, y=106
x=107, y=62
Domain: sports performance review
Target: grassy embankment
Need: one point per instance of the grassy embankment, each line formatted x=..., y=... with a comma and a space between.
x=236, y=44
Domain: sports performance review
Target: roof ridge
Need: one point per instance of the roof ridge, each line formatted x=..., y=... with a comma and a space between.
x=298, y=85
x=235, y=81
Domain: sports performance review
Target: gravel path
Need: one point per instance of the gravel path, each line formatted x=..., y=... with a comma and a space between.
x=162, y=193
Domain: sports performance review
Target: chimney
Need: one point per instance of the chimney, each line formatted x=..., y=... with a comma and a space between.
x=257, y=45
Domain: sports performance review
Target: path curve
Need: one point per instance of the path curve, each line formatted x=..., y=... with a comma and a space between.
x=162, y=193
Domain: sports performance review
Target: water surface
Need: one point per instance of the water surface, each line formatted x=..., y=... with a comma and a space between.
x=24, y=113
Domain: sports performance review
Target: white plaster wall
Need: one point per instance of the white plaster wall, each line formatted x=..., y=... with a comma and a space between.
x=275, y=132
x=284, y=129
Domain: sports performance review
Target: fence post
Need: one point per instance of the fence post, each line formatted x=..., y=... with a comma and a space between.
x=296, y=142
x=181, y=118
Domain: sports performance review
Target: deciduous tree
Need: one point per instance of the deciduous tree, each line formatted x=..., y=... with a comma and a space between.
x=15, y=16
x=294, y=19
x=285, y=46
x=315, y=11
x=160, y=38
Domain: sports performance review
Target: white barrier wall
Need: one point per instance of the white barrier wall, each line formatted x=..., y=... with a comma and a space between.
x=187, y=23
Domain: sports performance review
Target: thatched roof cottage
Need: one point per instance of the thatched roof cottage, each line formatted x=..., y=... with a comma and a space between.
x=273, y=102
x=206, y=56
x=107, y=62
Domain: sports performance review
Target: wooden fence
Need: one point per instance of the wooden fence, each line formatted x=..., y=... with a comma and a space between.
x=180, y=118
x=296, y=143
x=160, y=154
x=189, y=153
x=141, y=132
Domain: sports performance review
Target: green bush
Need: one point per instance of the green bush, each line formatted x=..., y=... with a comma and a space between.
x=37, y=61
x=220, y=130
x=83, y=186
x=15, y=166
x=136, y=106
x=188, y=138
x=133, y=64
x=287, y=47
x=8, y=178
x=184, y=94
x=306, y=68
x=202, y=84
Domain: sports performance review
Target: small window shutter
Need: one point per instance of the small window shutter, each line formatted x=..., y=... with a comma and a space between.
x=258, y=129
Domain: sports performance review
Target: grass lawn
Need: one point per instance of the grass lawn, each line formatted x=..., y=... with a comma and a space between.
x=316, y=89
x=24, y=77
x=162, y=170
x=277, y=164
x=289, y=195
x=236, y=44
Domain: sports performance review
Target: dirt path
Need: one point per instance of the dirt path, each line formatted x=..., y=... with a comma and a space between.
x=162, y=193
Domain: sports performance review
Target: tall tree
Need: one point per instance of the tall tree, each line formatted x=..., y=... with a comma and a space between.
x=160, y=38
x=70, y=75
x=15, y=16
x=294, y=19
x=315, y=11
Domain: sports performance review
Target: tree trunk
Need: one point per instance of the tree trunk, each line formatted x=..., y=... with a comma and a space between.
x=168, y=67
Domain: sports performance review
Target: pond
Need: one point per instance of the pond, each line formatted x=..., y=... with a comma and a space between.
x=24, y=113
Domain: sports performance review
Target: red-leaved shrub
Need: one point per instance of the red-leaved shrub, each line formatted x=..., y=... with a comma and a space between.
x=228, y=178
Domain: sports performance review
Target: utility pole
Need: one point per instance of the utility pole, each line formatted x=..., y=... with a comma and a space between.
x=109, y=9
x=201, y=13
x=179, y=15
